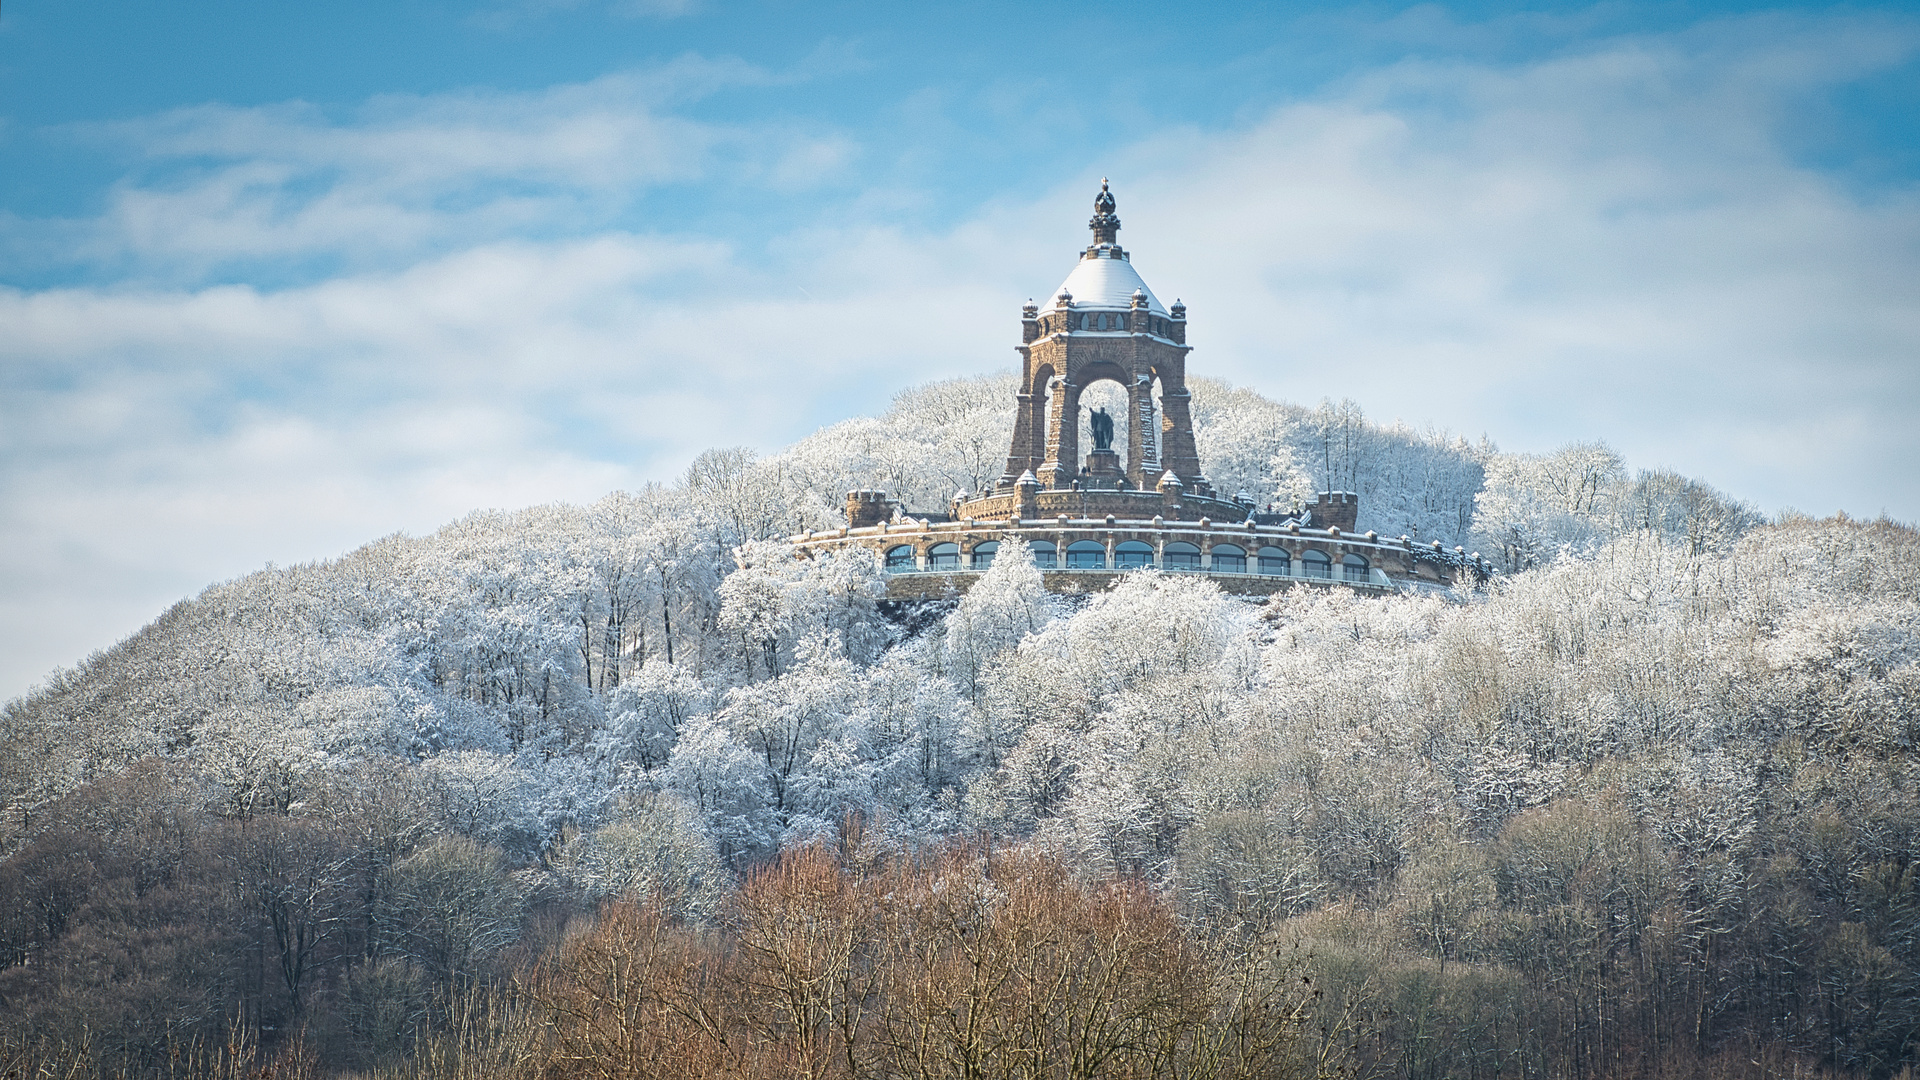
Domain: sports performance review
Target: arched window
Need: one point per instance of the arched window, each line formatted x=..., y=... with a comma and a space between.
x=983, y=554
x=1229, y=559
x=1044, y=554
x=1087, y=555
x=1316, y=564
x=1353, y=568
x=900, y=559
x=1132, y=554
x=1275, y=561
x=1180, y=556
x=943, y=557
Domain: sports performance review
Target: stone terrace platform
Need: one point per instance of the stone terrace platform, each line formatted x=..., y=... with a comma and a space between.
x=1085, y=554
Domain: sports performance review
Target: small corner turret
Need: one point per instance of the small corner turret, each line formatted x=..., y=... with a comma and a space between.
x=866, y=509
x=1336, y=510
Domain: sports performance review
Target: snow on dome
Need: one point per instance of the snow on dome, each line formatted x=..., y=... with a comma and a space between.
x=1102, y=281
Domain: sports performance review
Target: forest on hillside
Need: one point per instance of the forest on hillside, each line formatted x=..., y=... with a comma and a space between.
x=626, y=790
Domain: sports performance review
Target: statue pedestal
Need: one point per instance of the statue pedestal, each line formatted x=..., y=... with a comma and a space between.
x=1103, y=468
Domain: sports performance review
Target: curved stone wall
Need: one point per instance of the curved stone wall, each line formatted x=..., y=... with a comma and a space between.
x=1364, y=561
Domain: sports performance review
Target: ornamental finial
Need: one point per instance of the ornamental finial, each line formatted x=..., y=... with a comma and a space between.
x=1105, y=226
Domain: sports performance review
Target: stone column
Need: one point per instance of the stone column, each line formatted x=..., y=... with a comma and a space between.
x=1027, y=426
x=1143, y=455
x=1177, y=453
x=1063, y=436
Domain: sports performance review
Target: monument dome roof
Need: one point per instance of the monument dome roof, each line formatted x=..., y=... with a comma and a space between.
x=1104, y=277
x=1104, y=280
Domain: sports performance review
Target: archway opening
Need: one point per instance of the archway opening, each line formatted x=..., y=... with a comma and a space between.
x=1180, y=555
x=1132, y=554
x=1087, y=555
x=1105, y=392
x=1150, y=448
x=1229, y=559
x=983, y=553
x=1042, y=414
x=943, y=557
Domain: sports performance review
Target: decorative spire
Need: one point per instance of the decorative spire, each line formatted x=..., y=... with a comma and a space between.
x=1105, y=226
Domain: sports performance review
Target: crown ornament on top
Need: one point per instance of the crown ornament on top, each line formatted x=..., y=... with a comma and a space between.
x=1105, y=226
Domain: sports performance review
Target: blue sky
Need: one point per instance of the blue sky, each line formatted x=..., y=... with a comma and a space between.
x=279, y=279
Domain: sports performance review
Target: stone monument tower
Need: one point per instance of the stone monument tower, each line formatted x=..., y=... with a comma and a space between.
x=1086, y=517
x=1103, y=323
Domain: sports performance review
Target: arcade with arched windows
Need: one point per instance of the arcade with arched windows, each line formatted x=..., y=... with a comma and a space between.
x=1247, y=557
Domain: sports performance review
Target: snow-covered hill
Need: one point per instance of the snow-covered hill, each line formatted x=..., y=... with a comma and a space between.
x=650, y=693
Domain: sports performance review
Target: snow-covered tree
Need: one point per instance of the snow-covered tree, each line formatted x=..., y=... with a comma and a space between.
x=1007, y=603
x=655, y=847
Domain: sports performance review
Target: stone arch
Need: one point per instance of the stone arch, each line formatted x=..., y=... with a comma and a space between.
x=900, y=560
x=1132, y=555
x=1180, y=555
x=1315, y=563
x=1088, y=383
x=1086, y=555
x=944, y=556
x=1229, y=558
x=1030, y=424
x=1028, y=451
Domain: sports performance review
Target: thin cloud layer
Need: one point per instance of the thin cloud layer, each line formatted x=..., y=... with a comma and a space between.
x=1614, y=244
x=216, y=187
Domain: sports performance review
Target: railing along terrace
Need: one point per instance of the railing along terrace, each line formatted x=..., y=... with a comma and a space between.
x=1375, y=577
x=1109, y=545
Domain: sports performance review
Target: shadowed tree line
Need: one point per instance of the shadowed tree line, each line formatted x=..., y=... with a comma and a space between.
x=953, y=961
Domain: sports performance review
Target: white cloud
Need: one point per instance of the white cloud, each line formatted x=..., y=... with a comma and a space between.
x=1608, y=245
x=405, y=177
